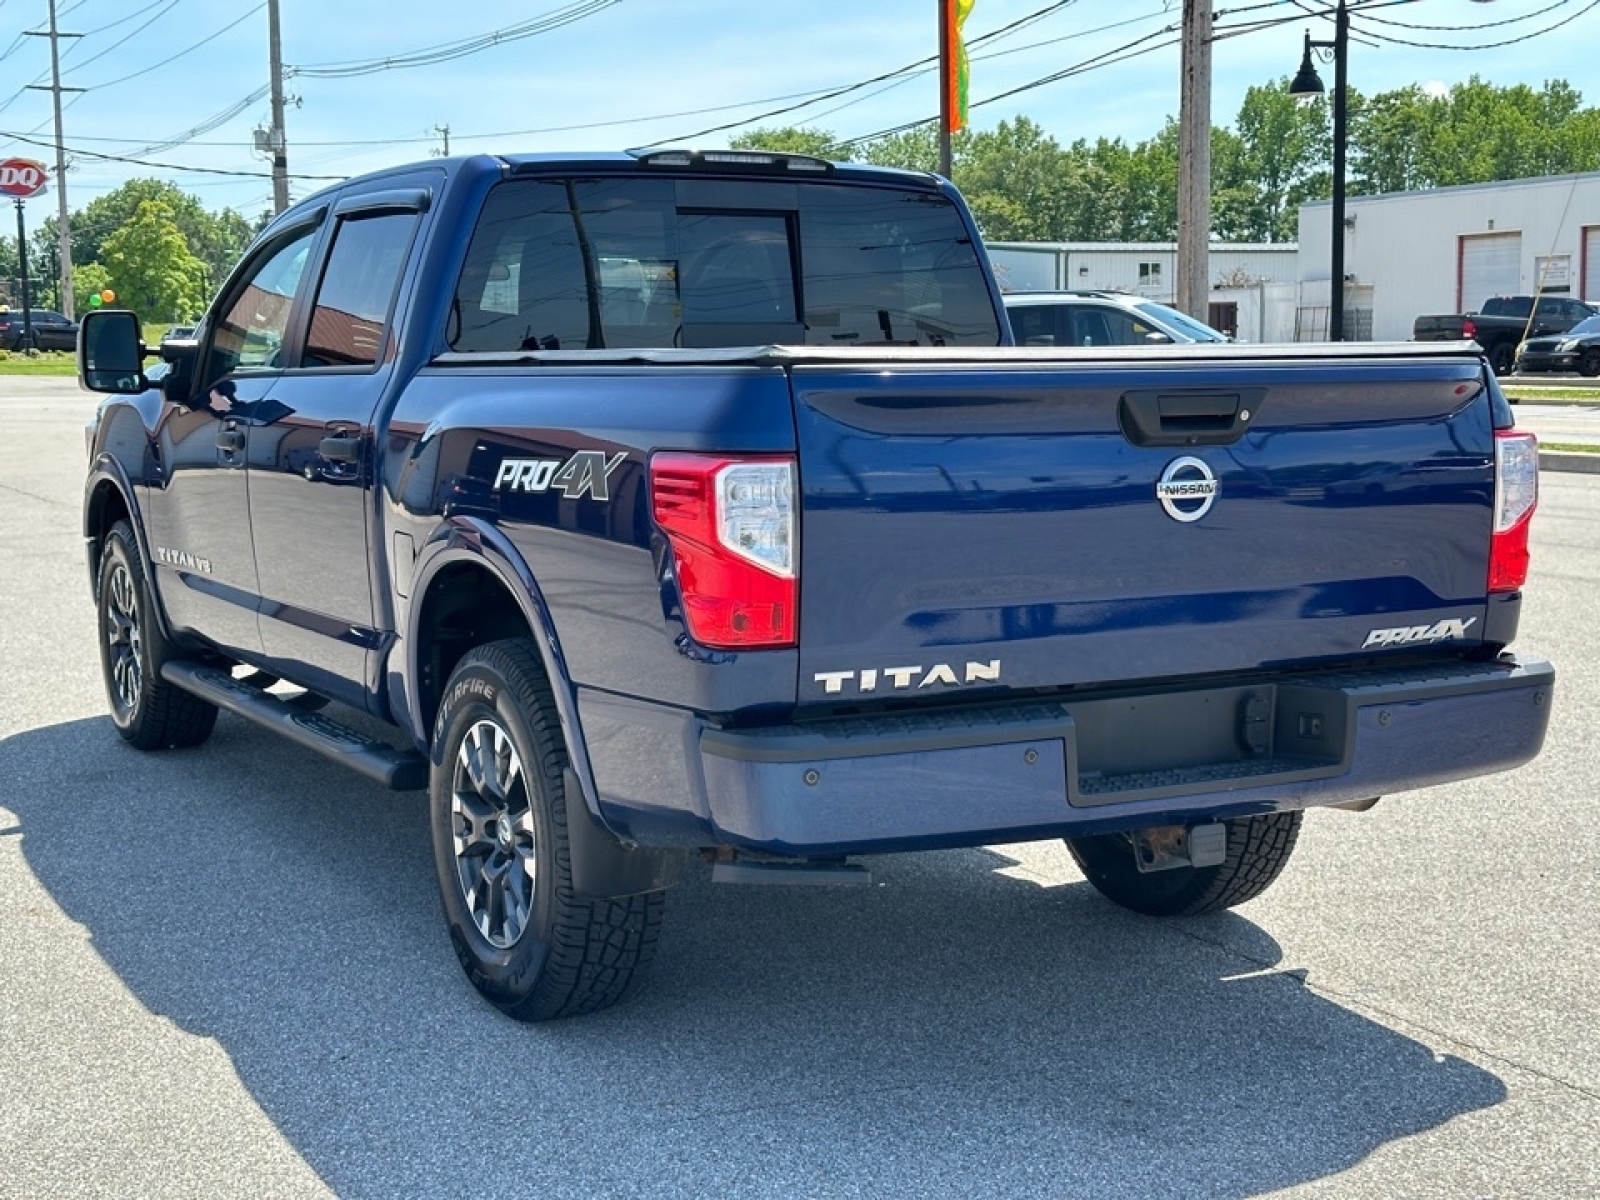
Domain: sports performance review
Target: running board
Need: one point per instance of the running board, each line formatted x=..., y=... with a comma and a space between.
x=401, y=770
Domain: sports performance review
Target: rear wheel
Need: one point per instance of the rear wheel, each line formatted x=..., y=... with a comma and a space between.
x=499, y=814
x=1502, y=357
x=1589, y=362
x=1257, y=850
x=147, y=710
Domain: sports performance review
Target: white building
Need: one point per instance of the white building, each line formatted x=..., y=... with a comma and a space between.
x=1253, y=285
x=1448, y=250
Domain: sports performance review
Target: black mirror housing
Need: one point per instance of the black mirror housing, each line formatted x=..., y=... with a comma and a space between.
x=111, y=352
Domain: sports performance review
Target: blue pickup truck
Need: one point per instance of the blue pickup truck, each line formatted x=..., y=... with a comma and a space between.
x=697, y=505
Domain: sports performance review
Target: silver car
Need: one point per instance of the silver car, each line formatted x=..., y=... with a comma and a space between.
x=1100, y=319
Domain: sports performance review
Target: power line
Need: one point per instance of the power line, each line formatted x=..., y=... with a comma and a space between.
x=1487, y=45
x=172, y=58
x=1473, y=28
x=170, y=5
x=165, y=166
x=453, y=50
x=908, y=69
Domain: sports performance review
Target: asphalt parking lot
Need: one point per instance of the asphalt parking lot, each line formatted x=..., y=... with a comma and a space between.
x=223, y=971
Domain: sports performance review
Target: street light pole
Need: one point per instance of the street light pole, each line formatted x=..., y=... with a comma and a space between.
x=1307, y=85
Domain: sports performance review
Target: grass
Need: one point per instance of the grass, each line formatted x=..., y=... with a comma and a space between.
x=59, y=362
x=1555, y=394
x=46, y=362
x=1570, y=447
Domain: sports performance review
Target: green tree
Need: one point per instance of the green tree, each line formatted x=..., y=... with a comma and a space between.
x=151, y=267
x=1011, y=177
x=1279, y=158
x=88, y=280
x=788, y=139
x=216, y=239
x=911, y=150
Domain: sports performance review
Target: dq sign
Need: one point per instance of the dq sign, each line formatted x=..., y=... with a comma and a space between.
x=22, y=177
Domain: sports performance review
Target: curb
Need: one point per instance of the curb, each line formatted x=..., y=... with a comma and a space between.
x=1567, y=460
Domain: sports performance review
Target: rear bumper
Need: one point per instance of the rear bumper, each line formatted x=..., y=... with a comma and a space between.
x=1039, y=770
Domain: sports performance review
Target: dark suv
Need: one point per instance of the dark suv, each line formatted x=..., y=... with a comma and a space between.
x=51, y=330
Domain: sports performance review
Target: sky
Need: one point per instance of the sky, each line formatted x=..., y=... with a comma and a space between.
x=615, y=74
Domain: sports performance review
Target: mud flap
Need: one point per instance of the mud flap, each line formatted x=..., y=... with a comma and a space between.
x=602, y=867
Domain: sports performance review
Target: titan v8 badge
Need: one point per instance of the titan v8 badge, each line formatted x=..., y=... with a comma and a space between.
x=586, y=473
x=1187, y=489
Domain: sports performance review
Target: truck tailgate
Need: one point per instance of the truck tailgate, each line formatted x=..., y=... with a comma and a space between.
x=966, y=529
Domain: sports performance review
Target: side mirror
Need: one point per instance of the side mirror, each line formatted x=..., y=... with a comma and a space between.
x=1156, y=338
x=111, y=352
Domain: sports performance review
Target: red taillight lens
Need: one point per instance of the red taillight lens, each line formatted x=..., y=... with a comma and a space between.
x=731, y=523
x=1516, y=495
x=1469, y=329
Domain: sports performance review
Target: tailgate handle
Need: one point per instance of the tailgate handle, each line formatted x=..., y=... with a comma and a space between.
x=1188, y=416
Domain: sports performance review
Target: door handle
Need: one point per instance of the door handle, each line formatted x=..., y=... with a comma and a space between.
x=340, y=449
x=231, y=440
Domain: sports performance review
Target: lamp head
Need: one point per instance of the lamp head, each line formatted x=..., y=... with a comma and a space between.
x=1307, y=84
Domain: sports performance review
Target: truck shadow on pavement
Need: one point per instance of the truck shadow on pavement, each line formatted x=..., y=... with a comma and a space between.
x=950, y=1031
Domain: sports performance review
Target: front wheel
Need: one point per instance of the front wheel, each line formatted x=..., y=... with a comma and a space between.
x=1257, y=849
x=1502, y=357
x=147, y=710
x=499, y=814
x=1589, y=362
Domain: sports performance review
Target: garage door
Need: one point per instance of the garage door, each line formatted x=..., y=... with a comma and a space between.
x=1491, y=265
x=1590, y=277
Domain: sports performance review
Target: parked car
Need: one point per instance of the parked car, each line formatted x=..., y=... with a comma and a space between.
x=1501, y=324
x=51, y=330
x=1578, y=349
x=178, y=333
x=1100, y=319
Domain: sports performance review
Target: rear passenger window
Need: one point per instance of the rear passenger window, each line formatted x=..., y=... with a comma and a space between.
x=357, y=290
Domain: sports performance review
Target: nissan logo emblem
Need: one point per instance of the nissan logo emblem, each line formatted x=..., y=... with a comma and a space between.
x=1187, y=489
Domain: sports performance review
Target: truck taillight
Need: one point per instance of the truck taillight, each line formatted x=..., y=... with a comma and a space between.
x=1516, y=495
x=1469, y=329
x=732, y=526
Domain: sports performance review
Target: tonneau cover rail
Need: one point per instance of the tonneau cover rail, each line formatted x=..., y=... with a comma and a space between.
x=942, y=356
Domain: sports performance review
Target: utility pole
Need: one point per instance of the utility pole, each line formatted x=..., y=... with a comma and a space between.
x=277, y=139
x=1194, y=163
x=64, y=246
x=946, y=68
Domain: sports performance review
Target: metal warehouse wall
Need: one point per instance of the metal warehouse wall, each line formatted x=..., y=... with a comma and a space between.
x=1148, y=269
x=1406, y=246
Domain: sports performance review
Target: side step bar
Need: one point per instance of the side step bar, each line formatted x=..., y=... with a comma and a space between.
x=401, y=770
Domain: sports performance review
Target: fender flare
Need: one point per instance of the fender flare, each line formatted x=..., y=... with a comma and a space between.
x=107, y=473
x=464, y=539
x=604, y=865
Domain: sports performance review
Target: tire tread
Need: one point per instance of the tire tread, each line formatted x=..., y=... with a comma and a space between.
x=597, y=949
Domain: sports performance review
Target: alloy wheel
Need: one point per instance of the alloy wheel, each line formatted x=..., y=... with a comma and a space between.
x=124, y=641
x=493, y=833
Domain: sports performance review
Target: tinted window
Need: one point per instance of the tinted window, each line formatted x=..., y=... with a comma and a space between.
x=249, y=334
x=1183, y=322
x=626, y=263
x=357, y=288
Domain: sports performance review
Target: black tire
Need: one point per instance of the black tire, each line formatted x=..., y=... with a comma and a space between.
x=147, y=710
x=1502, y=357
x=498, y=811
x=1257, y=850
x=1589, y=362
